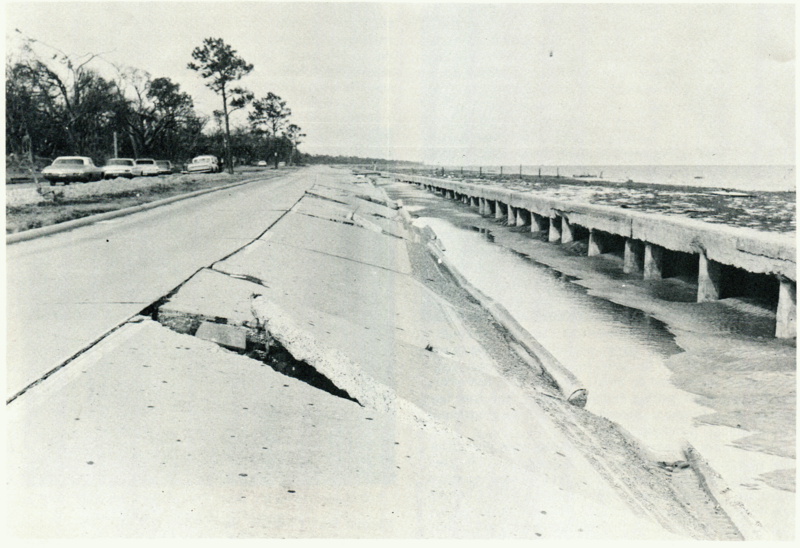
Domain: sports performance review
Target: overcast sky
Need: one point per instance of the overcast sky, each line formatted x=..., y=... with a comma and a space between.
x=476, y=84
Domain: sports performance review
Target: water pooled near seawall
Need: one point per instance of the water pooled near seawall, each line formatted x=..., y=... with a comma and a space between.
x=663, y=384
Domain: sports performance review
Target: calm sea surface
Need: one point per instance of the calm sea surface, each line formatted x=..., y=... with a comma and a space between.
x=764, y=178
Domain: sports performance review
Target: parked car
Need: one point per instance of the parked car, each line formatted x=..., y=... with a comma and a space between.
x=262, y=163
x=203, y=164
x=145, y=167
x=164, y=167
x=118, y=167
x=66, y=169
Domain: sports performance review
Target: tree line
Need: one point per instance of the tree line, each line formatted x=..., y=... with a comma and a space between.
x=59, y=104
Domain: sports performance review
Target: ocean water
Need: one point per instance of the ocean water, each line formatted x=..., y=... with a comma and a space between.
x=752, y=178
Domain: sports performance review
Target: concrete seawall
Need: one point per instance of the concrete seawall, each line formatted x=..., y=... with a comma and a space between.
x=654, y=246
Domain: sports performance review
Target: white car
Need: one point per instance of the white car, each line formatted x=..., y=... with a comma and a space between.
x=203, y=164
x=145, y=167
x=119, y=167
x=66, y=169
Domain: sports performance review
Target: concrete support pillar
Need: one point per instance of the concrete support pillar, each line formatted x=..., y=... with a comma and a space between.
x=473, y=201
x=512, y=216
x=566, y=231
x=523, y=217
x=709, y=279
x=491, y=206
x=786, y=318
x=555, y=229
x=633, y=256
x=452, y=194
x=499, y=208
x=538, y=222
x=653, y=261
x=482, y=206
x=596, y=243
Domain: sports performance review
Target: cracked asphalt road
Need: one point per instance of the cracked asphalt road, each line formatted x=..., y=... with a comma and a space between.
x=67, y=290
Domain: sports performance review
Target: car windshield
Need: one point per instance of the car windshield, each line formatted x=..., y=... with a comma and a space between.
x=68, y=162
x=144, y=162
x=201, y=160
x=120, y=163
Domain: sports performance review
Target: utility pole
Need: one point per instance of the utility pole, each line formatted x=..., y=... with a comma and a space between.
x=116, y=151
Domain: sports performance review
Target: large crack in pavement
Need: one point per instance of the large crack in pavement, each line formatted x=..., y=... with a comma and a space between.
x=148, y=311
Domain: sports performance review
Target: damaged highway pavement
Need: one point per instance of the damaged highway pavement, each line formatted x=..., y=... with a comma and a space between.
x=334, y=378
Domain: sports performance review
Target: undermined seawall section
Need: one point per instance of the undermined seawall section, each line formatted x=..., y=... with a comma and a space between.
x=723, y=260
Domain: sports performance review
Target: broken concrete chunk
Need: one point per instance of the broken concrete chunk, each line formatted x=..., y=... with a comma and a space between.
x=230, y=336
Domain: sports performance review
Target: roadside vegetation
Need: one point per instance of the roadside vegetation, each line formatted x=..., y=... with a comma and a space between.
x=29, y=206
x=66, y=104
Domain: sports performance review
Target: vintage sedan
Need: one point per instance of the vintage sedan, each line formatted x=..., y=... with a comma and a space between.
x=203, y=164
x=145, y=167
x=118, y=167
x=66, y=169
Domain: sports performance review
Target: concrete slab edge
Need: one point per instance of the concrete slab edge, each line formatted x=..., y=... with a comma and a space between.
x=340, y=369
x=715, y=486
x=91, y=219
x=569, y=386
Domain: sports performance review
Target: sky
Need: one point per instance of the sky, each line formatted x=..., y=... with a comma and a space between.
x=474, y=84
